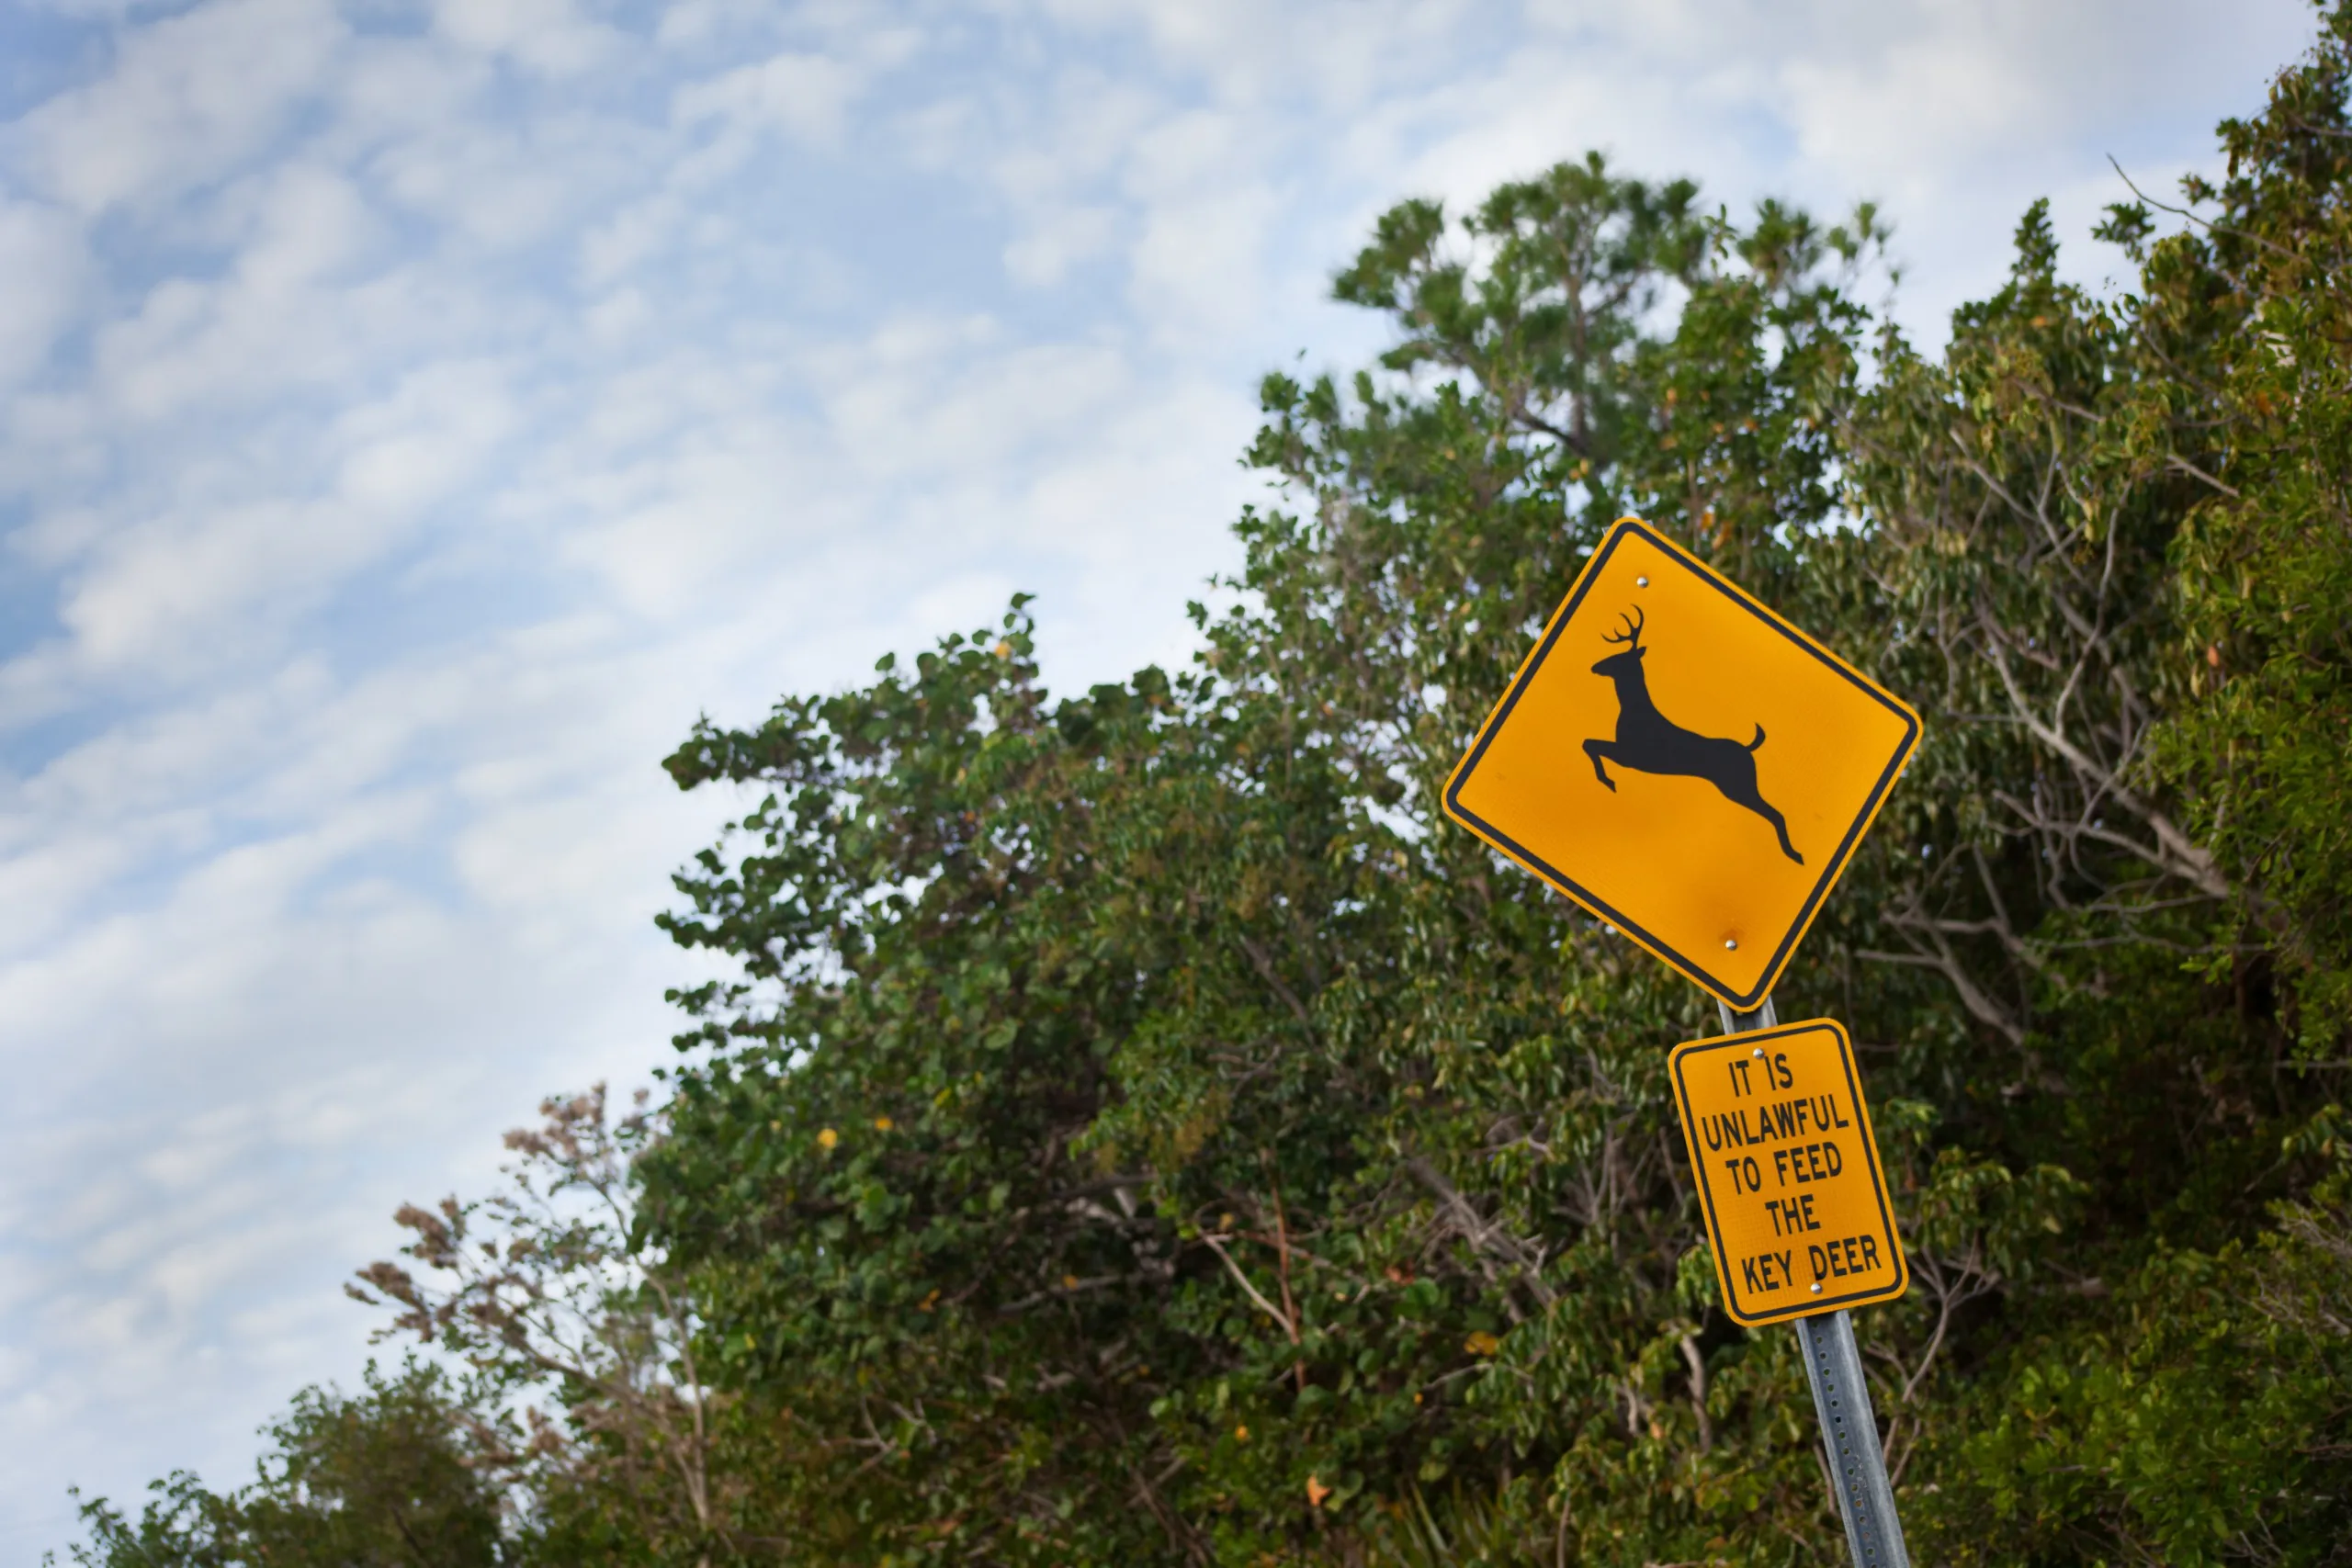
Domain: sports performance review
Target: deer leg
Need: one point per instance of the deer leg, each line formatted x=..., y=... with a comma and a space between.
x=1596, y=750
x=1738, y=786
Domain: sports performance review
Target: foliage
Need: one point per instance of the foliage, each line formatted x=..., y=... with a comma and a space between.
x=2207, y=1420
x=1139, y=1129
x=549, y=1285
x=387, y=1478
x=2265, y=562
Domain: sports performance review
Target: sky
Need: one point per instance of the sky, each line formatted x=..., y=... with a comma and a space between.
x=414, y=415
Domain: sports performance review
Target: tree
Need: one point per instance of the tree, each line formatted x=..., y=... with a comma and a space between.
x=548, y=1287
x=388, y=1478
x=2266, y=562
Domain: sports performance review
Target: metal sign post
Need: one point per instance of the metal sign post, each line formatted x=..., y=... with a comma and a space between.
x=1842, y=1398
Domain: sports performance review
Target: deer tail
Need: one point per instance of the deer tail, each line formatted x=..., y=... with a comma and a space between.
x=1760, y=738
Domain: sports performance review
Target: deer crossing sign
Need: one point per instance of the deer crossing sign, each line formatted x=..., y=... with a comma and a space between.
x=1684, y=763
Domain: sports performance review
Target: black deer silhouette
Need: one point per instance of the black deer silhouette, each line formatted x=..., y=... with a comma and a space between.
x=1649, y=742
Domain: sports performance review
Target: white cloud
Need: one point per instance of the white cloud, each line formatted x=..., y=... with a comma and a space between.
x=1199, y=264
x=804, y=96
x=688, y=23
x=42, y=258
x=549, y=37
x=1045, y=255
x=190, y=98
x=415, y=446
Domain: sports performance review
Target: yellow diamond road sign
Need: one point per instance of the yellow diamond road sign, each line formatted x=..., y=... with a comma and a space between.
x=1789, y=1179
x=1684, y=763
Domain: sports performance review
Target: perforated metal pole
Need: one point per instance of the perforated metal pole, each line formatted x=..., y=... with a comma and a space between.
x=1842, y=1398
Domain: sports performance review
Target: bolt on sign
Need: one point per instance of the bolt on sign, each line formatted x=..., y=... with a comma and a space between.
x=1684, y=763
x=1789, y=1178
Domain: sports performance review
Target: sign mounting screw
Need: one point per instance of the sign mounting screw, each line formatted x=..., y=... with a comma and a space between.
x=1731, y=944
x=1641, y=582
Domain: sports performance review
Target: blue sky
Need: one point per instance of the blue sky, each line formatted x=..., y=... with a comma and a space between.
x=412, y=416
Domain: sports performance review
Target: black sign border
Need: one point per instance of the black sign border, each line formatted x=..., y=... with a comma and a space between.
x=1743, y=1001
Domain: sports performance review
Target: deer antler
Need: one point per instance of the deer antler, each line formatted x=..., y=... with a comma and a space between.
x=1632, y=629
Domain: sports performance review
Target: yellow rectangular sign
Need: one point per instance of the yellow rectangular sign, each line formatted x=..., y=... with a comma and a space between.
x=1789, y=1179
x=1684, y=763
